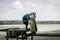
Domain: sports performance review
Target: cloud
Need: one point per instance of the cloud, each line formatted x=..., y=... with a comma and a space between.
x=45, y=9
x=17, y=4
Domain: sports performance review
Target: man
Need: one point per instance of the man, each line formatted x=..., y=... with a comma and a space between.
x=25, y=20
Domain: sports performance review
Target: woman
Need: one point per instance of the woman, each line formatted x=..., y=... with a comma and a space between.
x=32, y=24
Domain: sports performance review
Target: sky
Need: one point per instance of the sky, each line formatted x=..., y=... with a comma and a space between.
x=46, y=10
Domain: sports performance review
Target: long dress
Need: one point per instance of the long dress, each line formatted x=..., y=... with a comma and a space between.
x=32, y=26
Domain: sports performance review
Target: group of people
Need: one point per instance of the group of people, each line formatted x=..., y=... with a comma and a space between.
x=30, y=17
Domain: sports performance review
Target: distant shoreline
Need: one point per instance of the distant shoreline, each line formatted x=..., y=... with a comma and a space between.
x=12, y=22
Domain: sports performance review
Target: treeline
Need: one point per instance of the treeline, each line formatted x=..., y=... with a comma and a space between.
x=48, y=22
x=20, y=22
x=10, y=22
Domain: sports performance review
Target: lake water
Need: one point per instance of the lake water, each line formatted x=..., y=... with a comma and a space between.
x=41, y=27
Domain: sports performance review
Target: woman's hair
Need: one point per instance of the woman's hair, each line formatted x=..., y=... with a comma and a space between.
x=32, y=17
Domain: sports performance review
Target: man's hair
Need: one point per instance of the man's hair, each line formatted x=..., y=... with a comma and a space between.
x=33, y=13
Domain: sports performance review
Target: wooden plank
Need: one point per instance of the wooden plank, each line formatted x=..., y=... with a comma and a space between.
x=48, y=34
x=15, y=37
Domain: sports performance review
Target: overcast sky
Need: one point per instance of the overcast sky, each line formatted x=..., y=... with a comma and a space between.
x=46, y=10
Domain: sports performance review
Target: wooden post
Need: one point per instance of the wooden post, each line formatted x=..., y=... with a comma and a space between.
x=22, y=35
x=31, y=37
x=16, y=35
x=7, y=34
